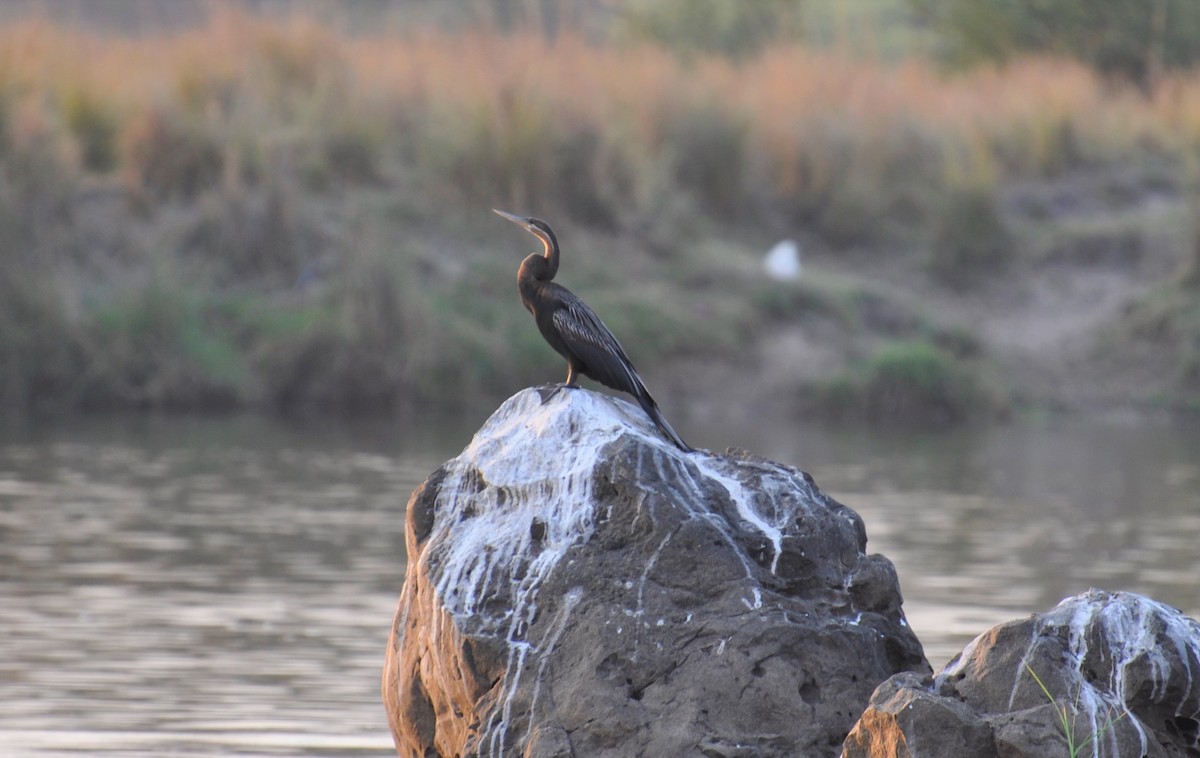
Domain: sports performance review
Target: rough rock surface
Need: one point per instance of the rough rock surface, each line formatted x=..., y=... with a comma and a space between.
x=1125, y=668
x=578, y=586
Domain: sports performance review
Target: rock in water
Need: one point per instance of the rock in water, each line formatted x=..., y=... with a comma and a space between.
x=1125, y=668
x=576, y=585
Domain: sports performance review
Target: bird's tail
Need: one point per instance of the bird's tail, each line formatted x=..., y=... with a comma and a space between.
x=660, y=421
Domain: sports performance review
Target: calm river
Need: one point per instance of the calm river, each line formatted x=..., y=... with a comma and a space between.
x=173, y=586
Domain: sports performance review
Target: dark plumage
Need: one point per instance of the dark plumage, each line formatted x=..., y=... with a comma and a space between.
x=575, y=331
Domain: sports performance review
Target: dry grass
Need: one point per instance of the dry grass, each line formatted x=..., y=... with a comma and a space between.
x=518, y=97
x=254, y=128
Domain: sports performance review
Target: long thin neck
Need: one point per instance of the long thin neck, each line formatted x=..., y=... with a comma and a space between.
x=551, y=253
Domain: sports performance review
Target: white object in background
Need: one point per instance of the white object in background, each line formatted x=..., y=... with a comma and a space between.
x=783, y=262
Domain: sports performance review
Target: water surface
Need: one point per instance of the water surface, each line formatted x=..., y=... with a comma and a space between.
x=196, y=587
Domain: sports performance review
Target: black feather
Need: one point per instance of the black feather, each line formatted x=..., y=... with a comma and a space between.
x=575, y=331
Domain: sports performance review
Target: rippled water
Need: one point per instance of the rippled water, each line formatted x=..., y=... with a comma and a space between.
x=988, y=525
x=183, y=587
x=189, y=587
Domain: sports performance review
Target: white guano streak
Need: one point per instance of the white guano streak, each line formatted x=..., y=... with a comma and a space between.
x=491, y=553
x=744, y=502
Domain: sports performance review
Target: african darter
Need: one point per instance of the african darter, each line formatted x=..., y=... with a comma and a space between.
x=575, y=331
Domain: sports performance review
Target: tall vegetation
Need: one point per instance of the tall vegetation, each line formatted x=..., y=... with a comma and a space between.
x=278, y=212
x=1133, y=39
x=713, y=26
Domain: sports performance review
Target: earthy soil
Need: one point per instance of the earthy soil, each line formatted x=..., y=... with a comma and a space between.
x=1051, y=327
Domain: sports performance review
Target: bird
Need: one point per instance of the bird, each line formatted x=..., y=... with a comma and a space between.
x=574, y=330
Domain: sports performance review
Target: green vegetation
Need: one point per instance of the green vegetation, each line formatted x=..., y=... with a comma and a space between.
x=93, y=125
x=713, y=26
x=1067, y=716
x=1162, y=329
x=970, y=239
x=39, y=356
x=909, y=383
x=278, y=213
x=1134, y=39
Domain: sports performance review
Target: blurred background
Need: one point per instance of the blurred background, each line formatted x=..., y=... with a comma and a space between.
x=942, y=254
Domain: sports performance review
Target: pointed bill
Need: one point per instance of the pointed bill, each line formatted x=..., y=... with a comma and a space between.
x=515, y=219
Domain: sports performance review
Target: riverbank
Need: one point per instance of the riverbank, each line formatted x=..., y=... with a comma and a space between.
x=1093, y=312
x=304, y=227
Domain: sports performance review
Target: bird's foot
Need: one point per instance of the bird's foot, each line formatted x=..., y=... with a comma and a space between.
x=548, y=391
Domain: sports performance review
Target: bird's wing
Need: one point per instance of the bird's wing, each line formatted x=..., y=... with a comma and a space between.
x=596, y=347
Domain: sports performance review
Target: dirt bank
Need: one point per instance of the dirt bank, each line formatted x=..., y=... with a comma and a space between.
x=1059, y=327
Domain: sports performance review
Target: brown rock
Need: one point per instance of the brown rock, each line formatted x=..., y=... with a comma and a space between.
x=576, y=586
x=903, y=701
x=1125, y=670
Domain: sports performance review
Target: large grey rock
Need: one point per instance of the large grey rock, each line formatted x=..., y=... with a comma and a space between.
x=578, y=586
x=1125, y=668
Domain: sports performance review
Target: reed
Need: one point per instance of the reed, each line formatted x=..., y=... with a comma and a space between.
x=503, y=108
x=245, y=148
x=1068, y=714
